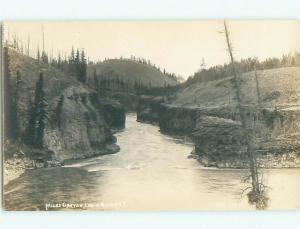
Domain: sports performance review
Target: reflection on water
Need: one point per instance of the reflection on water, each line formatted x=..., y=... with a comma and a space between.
x=151, y=172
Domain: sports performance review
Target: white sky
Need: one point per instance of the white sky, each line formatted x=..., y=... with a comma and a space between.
x=178, y=46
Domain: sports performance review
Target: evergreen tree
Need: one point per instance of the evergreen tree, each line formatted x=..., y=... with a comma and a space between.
x=37, y=115
x=30, y=131
x=71, y=67
x=59, y=62
x=72, y=58
x=77, y=65
x=83, y=68
x=41, y=113
x=38, y=56
x=96, y=81
x=44, y=58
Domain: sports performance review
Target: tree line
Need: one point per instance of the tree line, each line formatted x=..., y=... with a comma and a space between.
x=74, y=64
x=148, y=62
x=110, y=81
x=244, y=65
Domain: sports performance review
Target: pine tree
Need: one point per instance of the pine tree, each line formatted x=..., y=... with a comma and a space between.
x=37, y=115
x=44, y=58
x=41, y=113
x=30, y=131
x=96, y=81
x=77, y=65
x=59, y=62
x=72, y=58
x=38, y=56
x=71, y=67
x=83, y=67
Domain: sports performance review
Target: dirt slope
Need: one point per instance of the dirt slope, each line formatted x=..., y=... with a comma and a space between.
x=280, y=87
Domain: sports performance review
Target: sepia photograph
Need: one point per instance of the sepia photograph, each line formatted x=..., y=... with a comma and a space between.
x=150, y=115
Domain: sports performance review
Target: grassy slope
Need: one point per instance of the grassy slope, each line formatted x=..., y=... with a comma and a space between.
x=279, y=86
x=55, y=81
x=132, y=71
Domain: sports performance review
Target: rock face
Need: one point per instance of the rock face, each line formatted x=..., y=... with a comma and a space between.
x=177, y=120
x=149, y=109
x=218, y=136
x=79, y=124
x=219, y=142
x=114, y=113
x=18, y=157
x=78, y=128
x=127, y=100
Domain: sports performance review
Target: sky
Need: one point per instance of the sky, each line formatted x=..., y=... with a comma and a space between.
x=177, y=46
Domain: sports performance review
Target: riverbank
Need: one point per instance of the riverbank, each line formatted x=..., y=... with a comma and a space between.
x=24, y=158
x=15, y=167
x=268, y=161
x=156, y=179
x=218, y=135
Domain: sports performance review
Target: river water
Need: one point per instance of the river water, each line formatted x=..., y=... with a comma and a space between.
x=151, y=172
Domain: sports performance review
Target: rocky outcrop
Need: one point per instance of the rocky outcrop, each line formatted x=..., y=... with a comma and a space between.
x=219, y=142
x=78, y=123
x=114, y=113
x=149, y=109
x=78, y=128
x=176, y=120
x=218, y=136
x=19, y=157
x=128, y=101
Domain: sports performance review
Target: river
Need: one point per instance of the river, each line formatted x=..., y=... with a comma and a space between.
x=151, y=172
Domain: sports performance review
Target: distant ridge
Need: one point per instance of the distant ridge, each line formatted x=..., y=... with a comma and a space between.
x=130, y=72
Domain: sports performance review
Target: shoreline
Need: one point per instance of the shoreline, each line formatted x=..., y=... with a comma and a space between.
x=13, y=168
x=269, y=161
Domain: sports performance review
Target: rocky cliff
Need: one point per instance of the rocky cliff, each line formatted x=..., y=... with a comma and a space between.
x=78, y=129
x=149, y=109
x=218, y=136
x=79, y=124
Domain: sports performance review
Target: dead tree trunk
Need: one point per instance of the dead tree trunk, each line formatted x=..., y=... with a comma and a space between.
x=247, y=132
x=28, y=46
x=257, y=89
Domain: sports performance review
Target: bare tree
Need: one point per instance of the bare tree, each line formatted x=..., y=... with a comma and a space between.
x=257, y=89
x=43, y=38
x=28, y=46
x=257, y=194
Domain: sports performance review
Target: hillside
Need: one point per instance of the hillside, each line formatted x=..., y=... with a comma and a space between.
x=130, y=72
x=76, y=125
x=207, y=112
x=55, y=80
x=280, y=87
